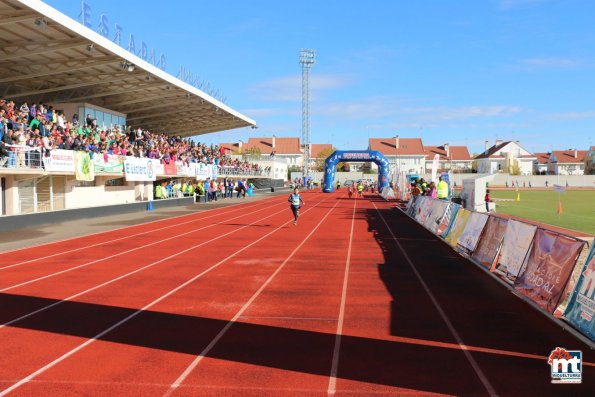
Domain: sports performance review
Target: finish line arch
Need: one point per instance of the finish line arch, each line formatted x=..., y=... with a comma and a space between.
x=358, y=156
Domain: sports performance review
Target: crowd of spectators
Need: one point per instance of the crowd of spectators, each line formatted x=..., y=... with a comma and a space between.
x=37, y=130
x=207, y=190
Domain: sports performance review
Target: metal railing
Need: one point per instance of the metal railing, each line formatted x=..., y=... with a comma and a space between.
x=22, y=157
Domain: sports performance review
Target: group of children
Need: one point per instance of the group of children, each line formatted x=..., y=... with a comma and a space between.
x=360, y=190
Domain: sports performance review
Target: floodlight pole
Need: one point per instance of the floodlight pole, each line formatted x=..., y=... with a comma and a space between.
x=307, y=60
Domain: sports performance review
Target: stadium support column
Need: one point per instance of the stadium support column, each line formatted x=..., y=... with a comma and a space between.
x=307, y=60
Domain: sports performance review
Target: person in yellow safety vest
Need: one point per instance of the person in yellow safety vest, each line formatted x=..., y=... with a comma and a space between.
x=360, y=189
x=190, y=189
x=158, y=194
x=442, y=189
x=185, y=189
x=164, y=190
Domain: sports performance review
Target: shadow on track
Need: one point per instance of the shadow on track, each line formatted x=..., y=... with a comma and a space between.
x=484, y=313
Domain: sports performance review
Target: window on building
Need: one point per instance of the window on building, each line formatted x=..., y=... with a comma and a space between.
x=115, y=182
x=85, y=183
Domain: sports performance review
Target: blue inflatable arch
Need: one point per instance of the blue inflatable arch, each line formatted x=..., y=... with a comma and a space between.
x=359, y=156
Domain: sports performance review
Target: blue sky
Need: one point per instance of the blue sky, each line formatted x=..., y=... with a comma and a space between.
x=449, y=71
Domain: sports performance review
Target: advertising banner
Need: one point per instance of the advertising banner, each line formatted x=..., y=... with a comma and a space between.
x=83, y=167
x=169, y=168
x=59, y=160
x=202, y=172
x=412, y=205
x=184, y=169
x=550, y=263
x=490, y=242
x=452, y=238
x=108, y=163
x=435, y=165
x=580, y=311
x=448, y=220
x=438, y=210
x=214, y=171
x=470, y=236
x=424, y=210
x=515, y=246
x=137, y=169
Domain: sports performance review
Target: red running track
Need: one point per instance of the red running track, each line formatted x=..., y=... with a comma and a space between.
x=357, y=299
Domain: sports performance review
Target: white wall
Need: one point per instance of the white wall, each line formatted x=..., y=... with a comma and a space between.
x=79, y=197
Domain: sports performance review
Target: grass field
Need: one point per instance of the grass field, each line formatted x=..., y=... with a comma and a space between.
x=578, y=207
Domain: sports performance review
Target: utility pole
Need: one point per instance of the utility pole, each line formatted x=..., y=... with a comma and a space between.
x=307, y=60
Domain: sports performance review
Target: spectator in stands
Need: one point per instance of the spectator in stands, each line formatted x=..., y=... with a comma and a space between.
x=3, y=153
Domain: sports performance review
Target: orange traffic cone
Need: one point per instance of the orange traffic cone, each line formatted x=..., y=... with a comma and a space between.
x=559, y=208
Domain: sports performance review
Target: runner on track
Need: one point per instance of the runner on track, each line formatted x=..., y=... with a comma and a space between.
x=360, y=190
x=350, y=191
x=295, y=199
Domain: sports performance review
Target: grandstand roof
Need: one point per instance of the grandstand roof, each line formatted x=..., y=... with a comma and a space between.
x=47, y=56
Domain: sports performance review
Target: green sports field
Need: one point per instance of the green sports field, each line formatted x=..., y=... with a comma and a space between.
x=578, y=207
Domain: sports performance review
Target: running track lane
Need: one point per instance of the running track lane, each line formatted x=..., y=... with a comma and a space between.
x=79, y=253
x=506, y=338
x=398, y=351
x=103, y=315
x=60, y=281
x=133, y=292
x=76, y=244
x=261, y=349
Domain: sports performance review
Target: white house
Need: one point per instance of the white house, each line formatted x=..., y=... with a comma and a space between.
x=567, y=162
x=407, y=154
x=504, y=157
x=541, y=163
x=283, y=149
x=452, y=158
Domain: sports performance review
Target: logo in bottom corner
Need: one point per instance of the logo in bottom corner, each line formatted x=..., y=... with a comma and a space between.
x=566, y=365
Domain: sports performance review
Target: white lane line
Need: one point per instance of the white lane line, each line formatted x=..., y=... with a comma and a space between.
x=120, y=238
x=224, y=330
x=332, y=383
x=482, y=377
x=152, y=264
x=139, y=311
x=123, y=252
x=287, y=318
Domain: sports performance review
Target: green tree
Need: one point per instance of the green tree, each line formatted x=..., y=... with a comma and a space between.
x=321, y=158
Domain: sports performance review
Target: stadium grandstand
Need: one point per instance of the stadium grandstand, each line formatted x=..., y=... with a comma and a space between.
x=81, y=116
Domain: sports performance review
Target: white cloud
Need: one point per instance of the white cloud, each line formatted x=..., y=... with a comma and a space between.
x=549, y=63
x=507, y=5
x=271, y=112
x=289, y=88
x=375, y=108
x=590, y=114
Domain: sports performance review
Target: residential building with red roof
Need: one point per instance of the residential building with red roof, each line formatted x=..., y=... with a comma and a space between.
x=282, y=148
x=541, y=162
x=567, y=162
x=407, y=154
x=451, y=158
x=505, y=157
x=590, y=161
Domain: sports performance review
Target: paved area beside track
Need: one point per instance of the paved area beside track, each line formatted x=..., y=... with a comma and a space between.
x=27, y=237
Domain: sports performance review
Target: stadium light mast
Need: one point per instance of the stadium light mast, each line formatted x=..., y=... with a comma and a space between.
x=307, y=60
